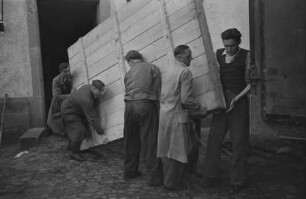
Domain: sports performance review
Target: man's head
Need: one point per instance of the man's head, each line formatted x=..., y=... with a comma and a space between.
x=183, y=54
x=64, y=70
x=98, y=88
x=132, y=57
x=231, y=39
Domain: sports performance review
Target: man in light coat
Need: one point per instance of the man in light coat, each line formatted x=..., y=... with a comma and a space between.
x=61, y=88
x=175, y=130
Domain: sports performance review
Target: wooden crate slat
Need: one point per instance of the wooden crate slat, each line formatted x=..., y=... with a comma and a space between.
x=101, y=52
x=141, y=26
x=103, y=64
x=99, y=42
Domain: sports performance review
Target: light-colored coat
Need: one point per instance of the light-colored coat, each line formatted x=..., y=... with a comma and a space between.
x=174, y=139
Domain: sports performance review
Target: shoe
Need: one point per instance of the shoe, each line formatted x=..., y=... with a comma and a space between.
x=211, y=182
x=47, y=132
x=178, y=188
x=132, y=176
x=76, y=156
x=237, y=189
x=155, y=183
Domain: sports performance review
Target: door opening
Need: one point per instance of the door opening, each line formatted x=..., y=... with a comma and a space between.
x=61, y=23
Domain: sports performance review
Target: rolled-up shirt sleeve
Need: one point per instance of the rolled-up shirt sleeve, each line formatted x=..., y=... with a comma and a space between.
x=187, y=100
x=92, y=116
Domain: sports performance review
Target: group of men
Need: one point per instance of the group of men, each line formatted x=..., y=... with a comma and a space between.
x=161, y=113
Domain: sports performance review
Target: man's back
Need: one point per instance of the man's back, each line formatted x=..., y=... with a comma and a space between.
x=142, y=81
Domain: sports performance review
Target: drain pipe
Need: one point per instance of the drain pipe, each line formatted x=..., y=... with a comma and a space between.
x=2, y=117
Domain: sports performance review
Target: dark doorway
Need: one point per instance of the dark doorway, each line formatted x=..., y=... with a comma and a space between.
x=61, y=23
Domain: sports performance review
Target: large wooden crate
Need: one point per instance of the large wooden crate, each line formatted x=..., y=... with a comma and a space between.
x=153, y=27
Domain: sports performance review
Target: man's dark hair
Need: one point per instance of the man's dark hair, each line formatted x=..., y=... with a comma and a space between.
x=98, y=84
x=231, y=33
x=180, y=49
x=63, y=66
x=133, y=54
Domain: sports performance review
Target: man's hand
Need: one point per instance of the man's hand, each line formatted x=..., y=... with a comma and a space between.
x=232, y=104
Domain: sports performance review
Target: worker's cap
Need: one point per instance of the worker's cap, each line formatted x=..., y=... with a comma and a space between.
x=98, y=84
x=63, y=66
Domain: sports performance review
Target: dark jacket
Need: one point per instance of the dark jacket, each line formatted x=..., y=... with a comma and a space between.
x=79, y=107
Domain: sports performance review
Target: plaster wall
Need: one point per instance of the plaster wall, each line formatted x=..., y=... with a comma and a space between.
x=224, y=14
x=15, y=64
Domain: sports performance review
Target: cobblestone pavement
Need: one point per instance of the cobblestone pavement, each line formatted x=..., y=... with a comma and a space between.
x=48, y=172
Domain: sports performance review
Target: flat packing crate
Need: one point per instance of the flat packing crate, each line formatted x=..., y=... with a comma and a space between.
x=154, y=28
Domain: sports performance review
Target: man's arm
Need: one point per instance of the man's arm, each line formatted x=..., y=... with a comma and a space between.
x=92, y=117
x=187, y=100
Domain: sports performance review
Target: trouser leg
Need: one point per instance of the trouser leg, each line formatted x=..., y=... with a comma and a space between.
x=213, y=152
x=239, y=129
x=194, y=153
x=148, y=130
x=173, y=172
x=76, y=132
x=131, y=141
x=74, y=146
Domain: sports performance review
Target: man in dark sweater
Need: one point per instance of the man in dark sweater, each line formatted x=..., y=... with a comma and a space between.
x=78, y=110
x=234, y=69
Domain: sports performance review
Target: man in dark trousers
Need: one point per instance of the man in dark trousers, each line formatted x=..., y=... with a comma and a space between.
x=142, y=91
x=78, y=110
x=234, y=70
x=61, y=88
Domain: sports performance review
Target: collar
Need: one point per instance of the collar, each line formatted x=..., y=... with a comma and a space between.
x=180, y=63
x=224, y=52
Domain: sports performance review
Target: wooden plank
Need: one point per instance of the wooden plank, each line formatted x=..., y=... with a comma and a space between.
x=77, y=74
x=211, y=60
x=196, y=47
x=119, y=49
x=199, y=66
x=98, y=32
x=109, y=76
x=162, y=63
x=113, y=89
x=103, y=64
x=112, y=105
x=99, y=42
x=137, y=16
x=83, y=61
x=202, y=85
x=73, y=50
x=141, y=26
x=166, y=32
x=173, y=6
x=130, y=9
x=182, y=16
x=186, y=33
x=75, y=59
x=155, y=50
x=144, y=39
x=113, y=119
x=101, y=52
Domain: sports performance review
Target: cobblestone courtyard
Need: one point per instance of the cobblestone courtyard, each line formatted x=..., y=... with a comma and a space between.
x=47, y=172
